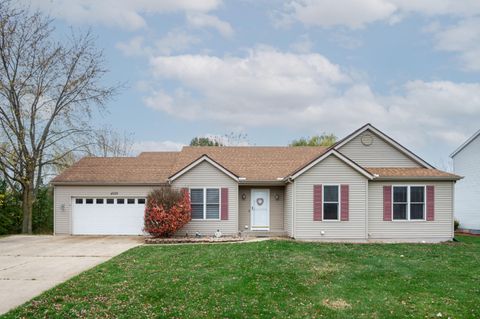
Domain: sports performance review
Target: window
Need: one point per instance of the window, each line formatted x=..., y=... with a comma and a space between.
x=330, y=202
x=78, y=200
x=131, y=201
x=417, y=202
x=213, y=203
x=205, y=203
x=408, y=202
x=196, y=196
x=99, y=201
x=400, y=202
x=141, y=200
x=120, y=201
x=89, y=201
x=109, y=200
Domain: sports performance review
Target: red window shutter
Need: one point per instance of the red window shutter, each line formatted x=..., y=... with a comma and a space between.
x=317, y=202
x=344, y=194
x=387, y=203
x=430, y=203
x=224, y=204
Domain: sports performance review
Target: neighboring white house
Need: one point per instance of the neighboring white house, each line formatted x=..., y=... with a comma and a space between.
x=466, y=162
x=366, y=187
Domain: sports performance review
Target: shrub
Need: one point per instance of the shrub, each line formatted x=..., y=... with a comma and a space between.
x=43, y=211
x=11, y=215
x=167, y=211
x=456, y=224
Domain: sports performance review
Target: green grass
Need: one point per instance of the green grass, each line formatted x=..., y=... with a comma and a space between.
x=274, y=279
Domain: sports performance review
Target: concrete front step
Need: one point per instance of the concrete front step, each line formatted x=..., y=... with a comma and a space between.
x=262, y=233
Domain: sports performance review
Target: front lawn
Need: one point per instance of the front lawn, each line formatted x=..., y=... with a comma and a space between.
x=274, y=279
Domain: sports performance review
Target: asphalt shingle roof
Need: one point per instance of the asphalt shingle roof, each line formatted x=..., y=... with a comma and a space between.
x=254, y=163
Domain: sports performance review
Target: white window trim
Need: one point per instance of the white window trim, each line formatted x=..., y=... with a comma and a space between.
x=325, y=202
x=205, y=203
x=409, y=203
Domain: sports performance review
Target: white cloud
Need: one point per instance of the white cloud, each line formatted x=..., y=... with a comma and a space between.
x=303, y=45
x=462, y=38
x=268, y=88
x=174, y=41
x=351, y=13
x=156, y=146
x=357, y=14
x=133, y=47
x=119, y=13
x=346, y=40
x=202, y=20
x=262, y=85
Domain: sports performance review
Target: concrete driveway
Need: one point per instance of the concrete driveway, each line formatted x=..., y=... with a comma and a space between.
x=30, y=265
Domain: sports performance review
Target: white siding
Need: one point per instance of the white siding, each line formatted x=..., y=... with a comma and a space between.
x=330, y=171
x=64, y=194
x=288, y=207
x=206, y=175
x=378, y=154
x=467, y=191
x=439, y=229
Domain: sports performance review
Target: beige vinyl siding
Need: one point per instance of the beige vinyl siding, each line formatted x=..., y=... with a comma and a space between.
x=63, y=196
x=378, y=154
x=330, y=171
x=276, y=208
x=439, y=229
x=206, y=175
x=288, y=207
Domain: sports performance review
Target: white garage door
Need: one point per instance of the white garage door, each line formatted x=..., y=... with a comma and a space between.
x=108, y=216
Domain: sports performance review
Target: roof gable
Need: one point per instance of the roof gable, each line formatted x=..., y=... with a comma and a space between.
x=386, y=139
x=465, y=144
x=340, y=156
x=203, y=158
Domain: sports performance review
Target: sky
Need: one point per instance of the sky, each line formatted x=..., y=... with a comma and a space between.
x=281, y=69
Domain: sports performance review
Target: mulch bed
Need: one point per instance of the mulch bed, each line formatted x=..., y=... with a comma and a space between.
x=192, y=240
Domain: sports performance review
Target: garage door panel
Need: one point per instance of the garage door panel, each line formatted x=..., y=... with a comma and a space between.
x=92, y=216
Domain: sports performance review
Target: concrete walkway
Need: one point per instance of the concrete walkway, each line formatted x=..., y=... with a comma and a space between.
x=30, y=265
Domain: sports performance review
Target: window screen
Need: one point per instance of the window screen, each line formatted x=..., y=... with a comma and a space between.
x=330, y=202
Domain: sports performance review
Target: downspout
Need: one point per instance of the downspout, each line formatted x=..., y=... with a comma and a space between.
x=54, y=211
x=453, y=210
x=367, y=184
x=294, y=197
x=367, y=198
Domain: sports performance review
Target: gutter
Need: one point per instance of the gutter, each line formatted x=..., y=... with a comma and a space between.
x=417, y=178
x=105, y=184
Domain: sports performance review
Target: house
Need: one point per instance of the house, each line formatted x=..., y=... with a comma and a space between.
x=366, y=187
x=466, y=162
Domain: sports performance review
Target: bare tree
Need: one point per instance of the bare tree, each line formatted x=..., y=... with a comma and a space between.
x=108, y=142
x=48, y=90
x=104, y=142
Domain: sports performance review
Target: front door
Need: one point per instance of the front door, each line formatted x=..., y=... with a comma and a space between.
x=260, y=209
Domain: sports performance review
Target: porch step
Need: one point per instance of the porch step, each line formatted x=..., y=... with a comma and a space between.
x=263, y=233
